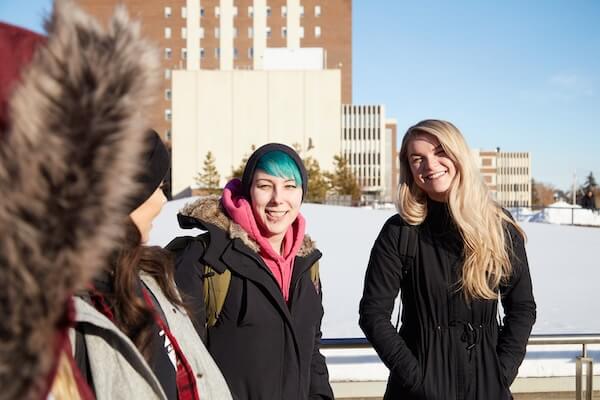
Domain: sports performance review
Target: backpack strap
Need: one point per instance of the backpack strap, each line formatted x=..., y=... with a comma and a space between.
x=215, y=288
x=407, y=250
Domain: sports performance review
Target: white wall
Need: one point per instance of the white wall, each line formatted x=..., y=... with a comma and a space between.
x=226, y=112
x=282, y=58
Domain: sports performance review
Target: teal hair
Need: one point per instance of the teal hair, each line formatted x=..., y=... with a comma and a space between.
x=277, y=163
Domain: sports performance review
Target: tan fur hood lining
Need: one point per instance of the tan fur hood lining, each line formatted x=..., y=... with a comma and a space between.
x=209, y=209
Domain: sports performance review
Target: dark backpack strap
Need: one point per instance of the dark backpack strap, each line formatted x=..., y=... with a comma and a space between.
x=408, y=246
x=407, y=250
x=81, y=358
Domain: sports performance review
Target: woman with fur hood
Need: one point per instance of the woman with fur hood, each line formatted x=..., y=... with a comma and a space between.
x=266, y=336
x=135, y=296
x=72, y=137
x=452, y=252
x=72, y=119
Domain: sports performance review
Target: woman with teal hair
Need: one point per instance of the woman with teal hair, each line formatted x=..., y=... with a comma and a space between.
x=253, y=280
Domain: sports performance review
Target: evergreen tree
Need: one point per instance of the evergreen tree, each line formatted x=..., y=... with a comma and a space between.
x=590, y=183
x=209, y=179
x=343, y=181
x=239, y=171
x=317, y=182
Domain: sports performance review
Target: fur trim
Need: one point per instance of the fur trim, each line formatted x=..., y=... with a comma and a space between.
x=209, y=209
x=66, y=170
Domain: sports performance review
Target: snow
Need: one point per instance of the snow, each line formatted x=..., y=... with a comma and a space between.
x=563, y=261
x=559, y=213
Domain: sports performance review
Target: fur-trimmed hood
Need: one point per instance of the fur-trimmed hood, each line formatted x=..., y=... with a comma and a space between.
x=209, y=210
x=67, y=167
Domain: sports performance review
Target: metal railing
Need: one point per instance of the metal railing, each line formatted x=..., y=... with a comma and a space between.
x=535, y=340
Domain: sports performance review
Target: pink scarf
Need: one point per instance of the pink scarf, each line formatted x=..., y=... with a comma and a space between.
x=281, y=266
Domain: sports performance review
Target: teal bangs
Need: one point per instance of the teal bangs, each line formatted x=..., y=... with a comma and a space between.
x=279, y=164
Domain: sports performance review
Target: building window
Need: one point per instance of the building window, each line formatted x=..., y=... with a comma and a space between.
x=167, y=73
x=235, y=32
x=301, y=11
x=250, y=52
x=217, y=52
x=167, y=33
x=168, y=94
x=235, y=53
x=250, y=11
x=202, y=11
x=268, y=31
x=301, y=32
x=184, y=12
x=217, y=11
x=168, y=114
x=317, y=11
x=168, y=134
x=201, y=33
x=235, y=11
x=317, y=31
x=168, y=12
x=284, y=11
x=184, y=53
x=217, y=32
x=184, y=33
x=168, y=53
x=283, y=32
x=201, y=52
x=250, y=32
x=268, y=11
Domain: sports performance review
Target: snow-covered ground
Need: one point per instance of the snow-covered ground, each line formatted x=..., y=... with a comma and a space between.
x=559, y=213
x=564, y=263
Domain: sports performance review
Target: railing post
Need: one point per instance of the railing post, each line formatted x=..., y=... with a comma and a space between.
x=589, y=363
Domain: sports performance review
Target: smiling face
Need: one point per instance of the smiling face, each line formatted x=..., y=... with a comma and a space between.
x=275, y=203
x=146, y=213
x=430, y=166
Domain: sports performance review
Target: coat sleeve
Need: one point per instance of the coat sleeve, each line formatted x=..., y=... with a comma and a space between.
x=188, y=253
x=382, y=284
x=519, y=309
x=320, y=389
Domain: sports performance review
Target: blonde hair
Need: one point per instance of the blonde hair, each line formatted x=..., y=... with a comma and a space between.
x=480, y=220
x=64, y=385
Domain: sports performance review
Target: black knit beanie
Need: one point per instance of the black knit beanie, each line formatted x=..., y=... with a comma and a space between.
x=156, y=164
x=257, y=155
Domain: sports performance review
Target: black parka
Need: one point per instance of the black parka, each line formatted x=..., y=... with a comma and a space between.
x=447, y=348
x=265, y=348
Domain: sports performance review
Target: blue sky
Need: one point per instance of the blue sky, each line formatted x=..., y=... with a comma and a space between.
x=519, y=75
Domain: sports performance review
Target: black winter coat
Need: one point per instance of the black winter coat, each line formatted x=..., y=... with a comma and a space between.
x=446, y=347
x=265, y=348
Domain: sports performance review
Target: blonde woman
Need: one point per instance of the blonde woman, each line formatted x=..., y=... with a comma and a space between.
x=451, y=251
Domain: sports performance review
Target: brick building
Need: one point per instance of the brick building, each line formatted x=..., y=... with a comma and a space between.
x=237, y=35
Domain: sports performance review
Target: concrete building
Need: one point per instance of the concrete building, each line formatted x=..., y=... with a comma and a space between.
x=508, y=175
x=369, y=147
x=240, y=35
x=234, y=110
x=391, y=128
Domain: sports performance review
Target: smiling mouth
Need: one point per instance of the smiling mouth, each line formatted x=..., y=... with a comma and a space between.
x=275, y=214
x=435, y=175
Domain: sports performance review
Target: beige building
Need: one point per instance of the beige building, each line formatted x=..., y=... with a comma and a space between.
x=368, y=143
x=240, y=35
x=227, y=112
x=508, y=175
